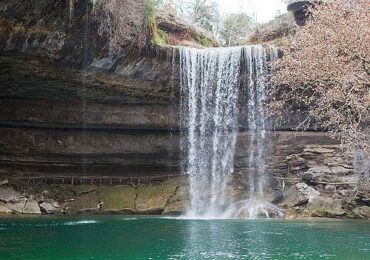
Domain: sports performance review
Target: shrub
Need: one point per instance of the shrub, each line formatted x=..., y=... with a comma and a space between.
x=326, y=69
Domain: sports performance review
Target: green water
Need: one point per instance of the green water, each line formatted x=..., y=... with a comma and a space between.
x=119, y=237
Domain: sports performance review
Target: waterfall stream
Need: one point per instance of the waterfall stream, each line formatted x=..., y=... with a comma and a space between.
x=211, y=83
x=256, y=66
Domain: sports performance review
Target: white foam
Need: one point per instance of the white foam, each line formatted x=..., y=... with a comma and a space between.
x=81, y=222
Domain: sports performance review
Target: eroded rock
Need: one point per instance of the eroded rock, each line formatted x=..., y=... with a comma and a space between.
x=4, y=209
x=176, y=205
x=17, y=206
x=362, y=212
x=31, y=207
x=119, y=199
x=85, y=203
x=40, y=197
x=325, y=207
x=50, y=207
x=8, y=194
x=298, y=195
x=153, y=199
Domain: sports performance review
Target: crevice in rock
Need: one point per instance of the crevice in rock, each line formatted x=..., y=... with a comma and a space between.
x=136, y=195
x=24, y=206
x=170, y=198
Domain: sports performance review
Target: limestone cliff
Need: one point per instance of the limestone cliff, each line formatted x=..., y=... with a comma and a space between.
x=71, y=109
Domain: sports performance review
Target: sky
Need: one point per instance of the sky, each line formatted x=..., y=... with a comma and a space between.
x=264, y=10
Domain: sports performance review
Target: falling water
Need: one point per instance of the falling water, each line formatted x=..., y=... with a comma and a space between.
x=255, y=70
x=209, y=81
x=210, y=84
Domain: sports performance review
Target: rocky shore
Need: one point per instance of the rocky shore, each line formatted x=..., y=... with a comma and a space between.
x=165, y=198
x=171, y=197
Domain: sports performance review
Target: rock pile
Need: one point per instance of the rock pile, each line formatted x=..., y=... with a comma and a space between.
x=14, y=202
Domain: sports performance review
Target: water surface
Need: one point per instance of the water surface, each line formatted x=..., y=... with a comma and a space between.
x=120, y=237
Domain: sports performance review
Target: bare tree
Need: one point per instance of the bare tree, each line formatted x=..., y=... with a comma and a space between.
x=236, y=28
x=203, y=13
x=326, y=68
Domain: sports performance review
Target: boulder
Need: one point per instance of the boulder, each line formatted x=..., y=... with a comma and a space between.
x=322, y=173
x=51, y=207
x=40, y=197
x=17, y=206
x=299, y=194
x=8, y=194
x=325, y=207
x=31, y=207
x=53, y=203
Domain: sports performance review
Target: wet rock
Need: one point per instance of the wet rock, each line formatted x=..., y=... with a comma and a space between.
x=31, y=207
x=325, y=207
x=299, y=194
x=4, y=182
x=176, y=205
x=8, y=194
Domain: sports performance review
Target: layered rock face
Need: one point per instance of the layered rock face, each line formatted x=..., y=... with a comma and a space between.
x=68, y=107
x=71, y=108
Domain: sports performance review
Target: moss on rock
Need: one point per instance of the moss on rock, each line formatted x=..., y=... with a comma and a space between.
x=117, y=198
x=153, y=199
x=84, y=203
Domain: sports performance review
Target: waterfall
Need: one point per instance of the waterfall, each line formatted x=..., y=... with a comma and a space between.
x=255, y=70
x=211, y=83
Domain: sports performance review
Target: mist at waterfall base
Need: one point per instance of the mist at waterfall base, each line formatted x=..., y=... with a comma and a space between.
x=213, y=81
